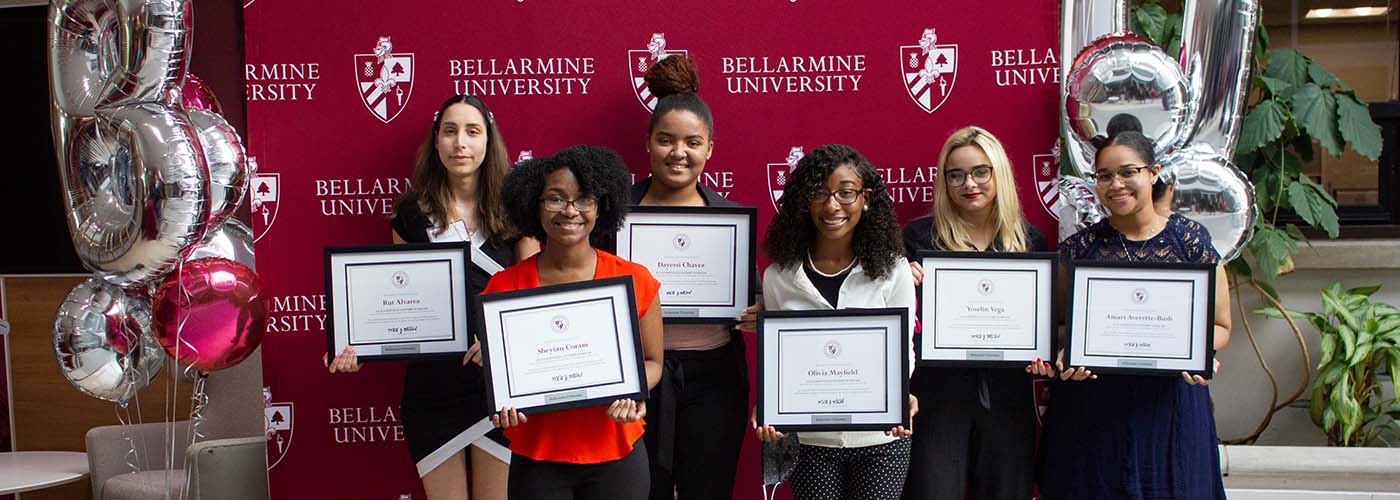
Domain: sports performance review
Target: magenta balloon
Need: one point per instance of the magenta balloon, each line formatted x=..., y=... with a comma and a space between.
x=210, y=313
x=197, y=95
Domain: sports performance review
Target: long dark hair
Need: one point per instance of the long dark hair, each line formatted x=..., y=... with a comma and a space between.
x=790, y=235
x=430, y=192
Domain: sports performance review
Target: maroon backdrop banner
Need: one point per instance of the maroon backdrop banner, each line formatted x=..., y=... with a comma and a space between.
x=340, y=96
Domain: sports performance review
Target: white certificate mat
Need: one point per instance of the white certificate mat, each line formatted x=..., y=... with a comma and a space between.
x=827, y=370
x=703, y=257
x=986, y=309
x=1150, y=319
x=563, y=346
x=398, y=301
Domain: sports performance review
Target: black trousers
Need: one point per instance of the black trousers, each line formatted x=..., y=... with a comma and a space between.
x=974, y=436
x=696, y=419
x=621, y=479
x=867, y=473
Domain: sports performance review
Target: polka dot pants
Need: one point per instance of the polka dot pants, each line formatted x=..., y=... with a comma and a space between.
x=868, y=473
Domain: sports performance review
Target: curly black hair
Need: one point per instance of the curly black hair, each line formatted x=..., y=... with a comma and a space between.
x=790, y=234
x=600, y=172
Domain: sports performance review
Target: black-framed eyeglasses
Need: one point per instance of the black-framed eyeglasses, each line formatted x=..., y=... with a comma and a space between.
x=843, y=196
x=980, y=175
x=1125, y=173
x=557, y=204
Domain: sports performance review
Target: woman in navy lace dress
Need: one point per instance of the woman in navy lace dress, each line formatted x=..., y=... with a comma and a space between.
x=1134, y=437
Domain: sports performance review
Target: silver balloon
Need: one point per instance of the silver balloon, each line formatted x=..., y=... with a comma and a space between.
x=228, y=164
x=1123, y=76
x=99, y=341
x=153, y=39
x=1080, y=207
x=1082, y=21
x=1213, y=192
x=232, y=241
x=83, y=53
x=137, y=190
x=1217, y=47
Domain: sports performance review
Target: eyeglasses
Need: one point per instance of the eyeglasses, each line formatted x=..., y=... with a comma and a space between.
x=843, y=196
x=1126, y=174
x=557, y=204
x=980, y=175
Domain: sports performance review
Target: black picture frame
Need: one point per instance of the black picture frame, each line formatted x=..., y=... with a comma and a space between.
x=763, y=392
x=1045, y=325
x=548, y=296
x=1074, y=333
x=744, y=296
x=407, y=253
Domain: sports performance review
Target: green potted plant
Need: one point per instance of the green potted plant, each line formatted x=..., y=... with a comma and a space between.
x=1359, y=339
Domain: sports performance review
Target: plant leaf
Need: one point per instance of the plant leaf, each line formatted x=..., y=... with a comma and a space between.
x=1287, y=65
x=1279, y=88
x=1150, y=19
x=1316, y=404
x=1348, y=337
x=1272, y=248
x=1355, y=124
x=1321, y=76
x=1364, y=290
x=1328, y=347
x=1335, y=305
x=1312, y=202
x=1363, y=349
x=1315, y=110
x=1333, y=373
x=1262, y=125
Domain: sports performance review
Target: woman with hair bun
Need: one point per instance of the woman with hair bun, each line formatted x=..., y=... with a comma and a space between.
x=696, y=428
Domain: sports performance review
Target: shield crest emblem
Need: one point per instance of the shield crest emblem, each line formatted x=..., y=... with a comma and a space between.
x=1046, y=185
x=778, y=174
x=930, y=69
x=384, y=80
x=265, y=189
x=639, y=61
x=279, y=431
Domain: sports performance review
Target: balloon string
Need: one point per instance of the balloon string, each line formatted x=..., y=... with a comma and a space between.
x=198, y=400
x=131, y=456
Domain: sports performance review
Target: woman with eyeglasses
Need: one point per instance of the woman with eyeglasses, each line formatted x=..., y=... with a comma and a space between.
x=566, y=201
x=1121, y=436
x=695, y=428
x=977, y=429
x=456, y=196
x=834, y=245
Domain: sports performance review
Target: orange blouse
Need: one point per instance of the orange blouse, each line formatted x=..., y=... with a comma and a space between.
x=580, y=435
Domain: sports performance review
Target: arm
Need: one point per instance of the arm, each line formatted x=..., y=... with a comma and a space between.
x=1222, y=308
x=653, y=351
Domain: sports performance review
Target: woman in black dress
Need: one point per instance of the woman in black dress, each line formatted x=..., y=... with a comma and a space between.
x=977, y=431
x=456, y=196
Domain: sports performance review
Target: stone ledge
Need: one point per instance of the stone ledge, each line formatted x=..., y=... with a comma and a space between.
x=1311, y=468
x=1348, y=254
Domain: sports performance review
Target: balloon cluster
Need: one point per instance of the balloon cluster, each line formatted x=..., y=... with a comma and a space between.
x=152, y=174
x=1191, y=107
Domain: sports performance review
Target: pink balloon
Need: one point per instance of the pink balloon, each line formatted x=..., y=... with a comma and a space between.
x=197, y=95
x=210, y=313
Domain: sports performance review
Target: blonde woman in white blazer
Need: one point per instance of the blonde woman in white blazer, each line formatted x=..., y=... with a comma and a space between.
x=834, y=244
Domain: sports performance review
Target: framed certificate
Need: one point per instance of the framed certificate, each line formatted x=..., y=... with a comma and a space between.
x=562, y=346
x=986, y=309
x=398, y=301
x=1141, y=318
x=842, y=370
x=703, y=257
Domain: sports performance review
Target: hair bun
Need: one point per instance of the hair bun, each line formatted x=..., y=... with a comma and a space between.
x=1123, y=122
x=672, y=75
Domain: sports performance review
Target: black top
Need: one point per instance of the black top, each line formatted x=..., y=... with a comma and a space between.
x=608, y=242
x=446, y=379
x=918, y=236
x=829, y=286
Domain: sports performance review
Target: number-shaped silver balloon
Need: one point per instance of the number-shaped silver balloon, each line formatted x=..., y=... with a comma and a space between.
x=131, y=163
x=1116, y=73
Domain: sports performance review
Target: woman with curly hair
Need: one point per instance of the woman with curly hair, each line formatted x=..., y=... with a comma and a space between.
x=696, y=427
x=456, y=196
x=566, y=201
x=834, y=244
x=978, y=426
